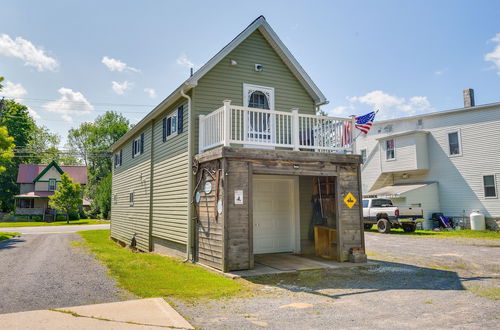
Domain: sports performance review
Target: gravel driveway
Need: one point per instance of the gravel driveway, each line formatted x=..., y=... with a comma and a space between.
x=421, y=282
x=40, y=271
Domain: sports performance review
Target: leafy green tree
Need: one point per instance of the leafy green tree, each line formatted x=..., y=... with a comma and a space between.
x=91, y=141
x=102, y=197
x=19, y=124
x=6, y=147
x=67, y=197
x=46, y=143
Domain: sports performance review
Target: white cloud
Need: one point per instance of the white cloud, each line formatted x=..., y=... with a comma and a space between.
x=117, y=65
x=12, y=90
x=389, y=106
x=120, y=88
x=26, y=51
x=184, y=61
x=494, y=56
x=33, y=113
x=341, y=111
x=70, y=103
x=496, y=38
x=151, y=92
x=378, y=99
x=438, y=72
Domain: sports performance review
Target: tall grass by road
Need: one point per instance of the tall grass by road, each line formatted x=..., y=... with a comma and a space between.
x=49, y=224
x=466, y=233
x=5, y=236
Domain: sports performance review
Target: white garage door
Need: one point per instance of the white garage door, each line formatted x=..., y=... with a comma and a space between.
x=273, y=214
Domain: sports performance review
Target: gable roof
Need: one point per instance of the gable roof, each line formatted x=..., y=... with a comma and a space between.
x=29, y=172
x=272, y=38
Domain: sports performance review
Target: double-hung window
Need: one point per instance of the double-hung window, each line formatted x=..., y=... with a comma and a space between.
x=490, y=189
x=118, y=158
x=138, y=145
x=52, y=184
x=454, y=143
x=173, y=123
x=390, y=149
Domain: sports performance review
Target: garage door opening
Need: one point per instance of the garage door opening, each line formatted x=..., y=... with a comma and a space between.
x=275, y=214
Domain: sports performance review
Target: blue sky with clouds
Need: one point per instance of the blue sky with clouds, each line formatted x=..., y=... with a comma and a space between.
x=70, y=61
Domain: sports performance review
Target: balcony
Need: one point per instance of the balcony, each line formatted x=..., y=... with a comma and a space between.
x=232, y=125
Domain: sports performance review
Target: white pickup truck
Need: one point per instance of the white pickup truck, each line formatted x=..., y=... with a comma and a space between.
x=380, y=211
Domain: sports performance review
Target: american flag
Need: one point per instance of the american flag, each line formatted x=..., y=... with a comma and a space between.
x=365, y=122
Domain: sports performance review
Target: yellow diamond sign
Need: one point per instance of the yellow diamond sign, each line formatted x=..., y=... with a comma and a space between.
x=350, y=200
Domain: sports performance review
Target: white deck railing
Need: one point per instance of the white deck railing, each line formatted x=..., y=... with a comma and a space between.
x=232, y=124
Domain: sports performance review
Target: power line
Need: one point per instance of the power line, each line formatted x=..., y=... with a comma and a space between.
x=82, y=102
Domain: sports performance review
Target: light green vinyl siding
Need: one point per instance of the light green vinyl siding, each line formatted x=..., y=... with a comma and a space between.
x=226, y=82
x=133, y=175
x=170, y=183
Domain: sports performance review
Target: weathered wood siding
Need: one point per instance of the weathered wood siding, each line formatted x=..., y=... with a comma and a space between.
x=132, y=176
x=210, y=224
x=350, y=223
x=239, y=224
x=226, y=82
x=170, y=180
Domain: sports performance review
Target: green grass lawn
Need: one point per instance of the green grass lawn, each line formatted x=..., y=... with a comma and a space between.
x=466, y=233
x=57, y=223
x=4, y=236
x=151, y=275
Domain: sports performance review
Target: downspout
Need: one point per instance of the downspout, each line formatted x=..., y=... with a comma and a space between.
x=190, y=183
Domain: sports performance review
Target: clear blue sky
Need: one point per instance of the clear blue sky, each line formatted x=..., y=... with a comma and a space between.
x=400, y=56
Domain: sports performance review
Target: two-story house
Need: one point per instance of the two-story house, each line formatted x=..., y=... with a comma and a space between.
x=446, y=161
x=235, y=163
x=37, y=182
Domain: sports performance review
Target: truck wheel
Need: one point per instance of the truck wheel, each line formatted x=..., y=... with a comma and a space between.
x=368, y=226
x=384, y=226
x=409, y=228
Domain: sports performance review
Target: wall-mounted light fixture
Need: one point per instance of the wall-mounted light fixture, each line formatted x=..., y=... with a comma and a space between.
x=233, y=62
x=259, y=67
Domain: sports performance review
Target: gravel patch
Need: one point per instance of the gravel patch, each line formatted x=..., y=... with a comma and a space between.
x=42, y=271
x=407, y=291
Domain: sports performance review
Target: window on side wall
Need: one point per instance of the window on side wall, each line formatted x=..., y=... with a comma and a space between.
x=138, y=145
x=390, y=149
x=490, y=189
x=131, y=198
x=118, y=158
x=454, y=143
x=52, y=184
x=172, y=124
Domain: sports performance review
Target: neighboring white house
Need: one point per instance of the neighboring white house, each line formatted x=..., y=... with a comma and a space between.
x=446, y=161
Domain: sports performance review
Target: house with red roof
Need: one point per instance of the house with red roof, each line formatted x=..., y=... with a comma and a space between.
x=37, y=182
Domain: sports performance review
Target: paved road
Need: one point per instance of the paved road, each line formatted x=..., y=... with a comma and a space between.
x=52, y=229
x=422, y=283
x=39, y=271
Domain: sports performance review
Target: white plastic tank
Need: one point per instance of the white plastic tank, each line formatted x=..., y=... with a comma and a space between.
x=477, y=221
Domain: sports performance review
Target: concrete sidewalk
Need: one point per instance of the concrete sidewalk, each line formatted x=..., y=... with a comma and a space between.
x=153, y=313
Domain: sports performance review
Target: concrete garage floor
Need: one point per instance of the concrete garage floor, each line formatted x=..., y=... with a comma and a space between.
x=421, y=283
x=279, y=263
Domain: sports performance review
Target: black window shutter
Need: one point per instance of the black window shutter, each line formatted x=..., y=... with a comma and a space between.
x=180, y=118
x=164, y=129
x=142, y=143
x=121, y=156
x=133, y=149
x=169, y=128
